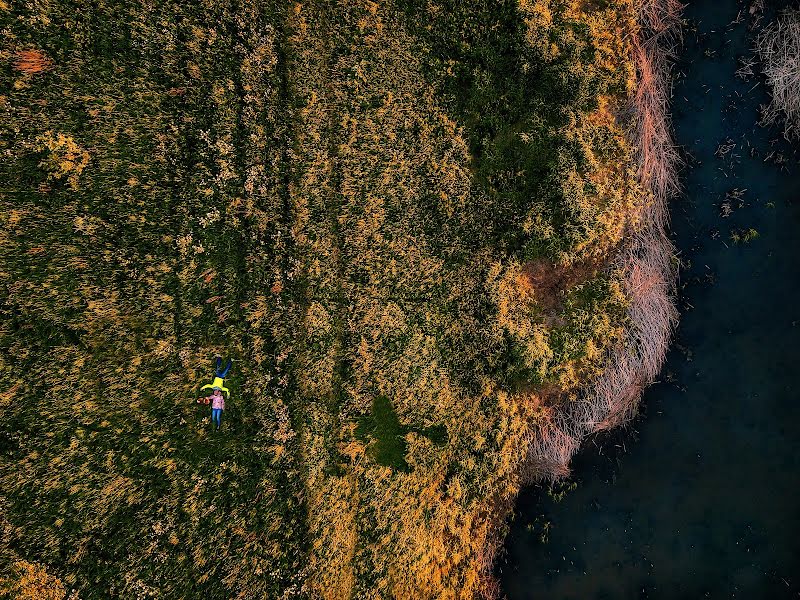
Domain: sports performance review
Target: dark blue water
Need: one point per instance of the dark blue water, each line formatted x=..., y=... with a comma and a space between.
x=699, y=497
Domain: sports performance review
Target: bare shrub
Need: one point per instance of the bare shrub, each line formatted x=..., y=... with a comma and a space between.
x=646, y=261
x=756, y=12
x=654, y=49
x=778, y=47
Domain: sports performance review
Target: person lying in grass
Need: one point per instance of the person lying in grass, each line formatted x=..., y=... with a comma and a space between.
x=217, y=406
x=218, y=387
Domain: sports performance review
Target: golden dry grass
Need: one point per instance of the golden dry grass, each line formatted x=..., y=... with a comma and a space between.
x=427, y=207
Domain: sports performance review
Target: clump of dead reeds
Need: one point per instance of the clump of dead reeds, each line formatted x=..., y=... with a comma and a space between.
x=778, y=48
x=646, y=261
x=31, y=62
x=654, y=50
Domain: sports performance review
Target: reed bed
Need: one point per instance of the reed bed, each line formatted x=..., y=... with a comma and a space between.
x=646, y=261
x=778, y=48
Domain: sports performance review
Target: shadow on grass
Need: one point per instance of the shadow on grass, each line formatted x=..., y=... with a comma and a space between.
x=388, y=445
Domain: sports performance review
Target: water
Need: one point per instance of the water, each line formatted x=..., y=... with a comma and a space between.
x=698, y=498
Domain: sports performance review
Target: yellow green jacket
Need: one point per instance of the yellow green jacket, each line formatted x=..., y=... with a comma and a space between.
x=218, y=382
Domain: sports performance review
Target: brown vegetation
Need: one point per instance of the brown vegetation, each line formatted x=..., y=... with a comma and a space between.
x=32, y=61
x=778, y=48
x=646, y=261
x=548, y=280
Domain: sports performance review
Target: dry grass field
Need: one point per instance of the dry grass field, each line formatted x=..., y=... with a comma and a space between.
x=408, y=222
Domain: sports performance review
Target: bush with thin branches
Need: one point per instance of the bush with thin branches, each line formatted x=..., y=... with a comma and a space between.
x=646, y=260
x=778, y=48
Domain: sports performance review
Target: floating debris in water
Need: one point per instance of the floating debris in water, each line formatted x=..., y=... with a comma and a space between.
x=739, y=18
x=733, y=199
x=745, y=70
x=743, y=236
x=725, y=147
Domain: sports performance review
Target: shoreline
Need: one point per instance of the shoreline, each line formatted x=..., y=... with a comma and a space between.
x=649, y=500
x=646, y=259
x=650, y=276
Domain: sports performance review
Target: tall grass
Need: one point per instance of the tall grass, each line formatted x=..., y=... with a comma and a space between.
x=427, y=203
x=646, y=260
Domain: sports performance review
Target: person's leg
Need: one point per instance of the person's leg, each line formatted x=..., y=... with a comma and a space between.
x=218, y=365
x=219, y=418
x=227, y=368
x=214, y=415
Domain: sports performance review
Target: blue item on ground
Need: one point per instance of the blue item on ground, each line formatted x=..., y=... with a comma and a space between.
x=224, y=372
x=216, y=416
